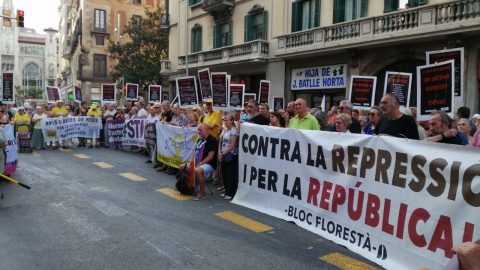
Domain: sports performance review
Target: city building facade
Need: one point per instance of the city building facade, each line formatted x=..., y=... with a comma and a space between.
x=281, y=40
x=85, y=27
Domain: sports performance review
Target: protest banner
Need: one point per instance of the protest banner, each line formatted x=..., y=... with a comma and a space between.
x=400, y=203
x=219, y=90
x=175, y=145
x=205, y=84
x=249, y=96
x=435, y=85
x=114, y=131
x=134, y=132
x=362, y=92
x=321, y=77
x=187, y=92
x=53, y=94
x=457, y=56
x=264, y=92
x=400, y=85
x=11, y=150
x=108, y=93
x=278, y=103
x=77, y=92
x=62, y=128
x=8, y=94
x=155, y=93
x=132, y=92
x=236, y=95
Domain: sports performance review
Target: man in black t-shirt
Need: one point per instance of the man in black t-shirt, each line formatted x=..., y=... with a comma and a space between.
x=208, y=162
x=253, y=114
x=440, y=130
x=167, y=113
x=394, y=123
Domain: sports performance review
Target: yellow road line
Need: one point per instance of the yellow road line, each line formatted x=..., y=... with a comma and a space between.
x=35, y=154
x=244, y=221
x=103, y=165
x=65, y=150
x=81, y=156
x=174, y=194
x=133, y=177
x=345, y=262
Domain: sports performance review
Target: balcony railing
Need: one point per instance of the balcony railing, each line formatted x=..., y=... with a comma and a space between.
x=164, y=66
x=253, y=50
x=216, y=5
x=431, y=19
x=83, y=74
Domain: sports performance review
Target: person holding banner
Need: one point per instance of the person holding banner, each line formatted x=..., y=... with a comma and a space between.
x=276, y=120
x=303, y=119
x=347, y=107
x=395, y=123
x=253, y=114
x=374, y=116
x=342, y=122
x=205, y=159
x=59, y=111
x=94, y=112
x=440, y=130
x=37, y=135
x=81, y=111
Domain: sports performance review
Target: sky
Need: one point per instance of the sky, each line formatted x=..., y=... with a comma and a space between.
x=39, y=14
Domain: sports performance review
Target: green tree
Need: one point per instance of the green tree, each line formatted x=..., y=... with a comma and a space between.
x=139, y=56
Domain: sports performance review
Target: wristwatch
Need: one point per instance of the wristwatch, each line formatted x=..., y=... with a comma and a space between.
x=443, y=136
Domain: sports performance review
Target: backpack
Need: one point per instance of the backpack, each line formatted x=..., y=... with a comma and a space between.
x=182, y=182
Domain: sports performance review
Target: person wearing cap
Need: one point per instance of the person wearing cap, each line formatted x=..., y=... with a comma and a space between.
x=212, y=119
x=59, y=111
x=21, y=120
x=94, y=112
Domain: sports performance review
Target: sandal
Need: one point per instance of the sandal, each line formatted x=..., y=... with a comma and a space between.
x=216, y=183
x=200, y=197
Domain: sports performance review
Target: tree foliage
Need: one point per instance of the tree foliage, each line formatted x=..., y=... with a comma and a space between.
x=145, y=45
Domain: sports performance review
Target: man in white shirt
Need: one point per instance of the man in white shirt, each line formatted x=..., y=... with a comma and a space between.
x=107, y=115
x=141, y=111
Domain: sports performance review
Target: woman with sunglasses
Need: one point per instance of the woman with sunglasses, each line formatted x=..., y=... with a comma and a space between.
x=374, y=116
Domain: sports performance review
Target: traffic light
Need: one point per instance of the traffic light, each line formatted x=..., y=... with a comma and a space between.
x=7, y=22
x=122, y=92
x=20, y=18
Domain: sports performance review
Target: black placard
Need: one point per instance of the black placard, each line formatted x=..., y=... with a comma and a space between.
x=53, y=94
x=220, y=90
x=187, y=91
x=132, y=92
x=264, y=92
x=77, y=91
x=154, y=93
x=362, y=90
x=399, y=84
x=278, y=103
x=249, y=96
x=435, y=86
x=457, y=56
x=236, y=95
x=7, y=88
x=205, y=84
x=108, y=93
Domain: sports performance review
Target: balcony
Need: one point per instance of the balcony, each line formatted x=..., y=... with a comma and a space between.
x=250, y=51
x=426, y=22
x=214, y=6
x=165, y=21
x=97, y=30
x=92, y=75
x=164, y=66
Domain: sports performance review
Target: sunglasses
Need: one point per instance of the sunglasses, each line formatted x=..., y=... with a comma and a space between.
x=372, y=114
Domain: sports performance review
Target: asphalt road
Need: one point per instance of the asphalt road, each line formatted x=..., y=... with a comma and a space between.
x=82, y=215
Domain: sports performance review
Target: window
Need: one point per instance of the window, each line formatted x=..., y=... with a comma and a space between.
x=137, y=2
x=100, y=20
x=99, y=40
x=197, y=39
x=256, y=26
x=222, y=35
x=346, y=10
x=136, y=19
x=193, y=2
x=99, y=65
x=394, y=5
x=305, y=15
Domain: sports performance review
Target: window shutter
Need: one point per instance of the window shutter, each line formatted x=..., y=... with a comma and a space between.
x=265, y=25
x=316, y=22
x=421, y=3
x=390, y=5
x=338, y=11
x=230, y=32
x=248, y=28
x=215, y=36
x=199, y=40
x=364, y=9
x=297, y=8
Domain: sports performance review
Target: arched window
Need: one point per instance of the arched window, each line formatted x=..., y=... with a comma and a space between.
x=32, y=75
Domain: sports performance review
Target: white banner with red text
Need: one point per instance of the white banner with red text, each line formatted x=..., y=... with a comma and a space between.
x=400, y=203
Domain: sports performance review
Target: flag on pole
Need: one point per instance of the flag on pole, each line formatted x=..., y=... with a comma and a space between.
x=323, y=104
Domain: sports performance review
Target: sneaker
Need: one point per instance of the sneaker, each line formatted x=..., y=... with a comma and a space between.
x=80, y=145
x=227, y=198
x=97, y=146
x=222, y=195
x=90, y=146
x=55, y=147
x=65, y=147
x=148, y=161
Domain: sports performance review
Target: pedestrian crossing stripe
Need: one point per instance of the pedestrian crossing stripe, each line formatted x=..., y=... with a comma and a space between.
x=345, y=262
x=103, y=165
x=244, y=221
x=81, y=156
x=133, y=177
x=174, y=194
x=35, y=154
x=65, y=150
